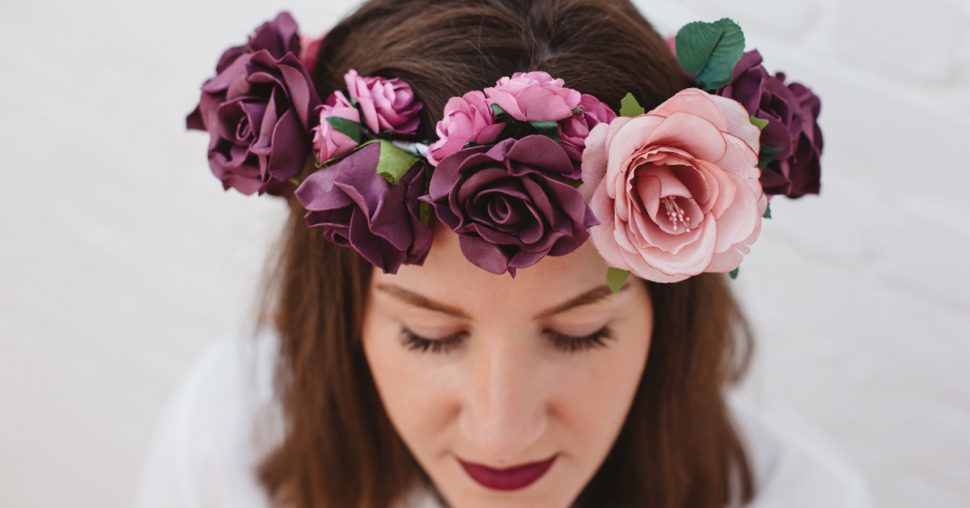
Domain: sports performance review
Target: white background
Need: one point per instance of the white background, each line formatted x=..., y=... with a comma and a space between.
x=121, y=259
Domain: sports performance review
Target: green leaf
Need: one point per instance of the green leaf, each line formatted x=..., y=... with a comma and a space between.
x=709, y=51
x=577, y=110
x=394, y=162
x=344, y=126
x=734, y=273
x=424, y=213
x=497, y=111
x=630, y=107
x=615, y=278
x=767, y=154
x=767, y=214
x=760, y=123
x=547, y=129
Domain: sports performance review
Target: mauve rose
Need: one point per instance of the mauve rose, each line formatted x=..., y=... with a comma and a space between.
x=328, y=142
x=511, y=203
x=574, y=130
x=466, y=119
x=792, y=112
x=534, y=97
x=387, y=104
x=258, y=111
x=355, y=207
x=676, y=190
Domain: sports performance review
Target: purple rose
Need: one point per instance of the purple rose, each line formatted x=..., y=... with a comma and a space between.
x=511, y=203
x=258, y=111
x=534, y=97
x=466, y=119
x=574, y=130
x=387, y=104
x=792, y=112
x=354, y=206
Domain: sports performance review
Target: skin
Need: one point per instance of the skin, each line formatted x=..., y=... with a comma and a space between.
x=506, y=395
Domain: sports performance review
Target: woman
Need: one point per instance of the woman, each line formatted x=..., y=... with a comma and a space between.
x=411, y=369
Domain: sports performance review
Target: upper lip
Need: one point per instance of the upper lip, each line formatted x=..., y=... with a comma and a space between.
x=509, y=468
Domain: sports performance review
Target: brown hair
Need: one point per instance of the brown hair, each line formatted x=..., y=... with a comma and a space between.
x=678, y=446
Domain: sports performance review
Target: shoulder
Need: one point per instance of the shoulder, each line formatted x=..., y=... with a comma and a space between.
x=792, y=466
x=221, y=420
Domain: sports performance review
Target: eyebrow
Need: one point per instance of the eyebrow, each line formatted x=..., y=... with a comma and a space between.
x=590, y=297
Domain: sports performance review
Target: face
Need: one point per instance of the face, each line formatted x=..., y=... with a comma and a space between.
x=508, y=392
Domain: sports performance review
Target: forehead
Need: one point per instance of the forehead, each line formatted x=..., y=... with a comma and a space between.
x=448, y=276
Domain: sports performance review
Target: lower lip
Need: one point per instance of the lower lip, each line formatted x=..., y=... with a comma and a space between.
x=507, y=479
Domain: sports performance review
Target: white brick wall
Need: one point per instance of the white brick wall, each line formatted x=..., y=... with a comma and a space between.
x=119, y=263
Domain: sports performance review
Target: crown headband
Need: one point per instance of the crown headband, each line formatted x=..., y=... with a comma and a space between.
x=525, y=168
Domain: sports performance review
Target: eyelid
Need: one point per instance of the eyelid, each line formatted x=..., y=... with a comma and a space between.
x=568, y=343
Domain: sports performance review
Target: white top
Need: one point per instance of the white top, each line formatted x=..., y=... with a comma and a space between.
x=224, y=417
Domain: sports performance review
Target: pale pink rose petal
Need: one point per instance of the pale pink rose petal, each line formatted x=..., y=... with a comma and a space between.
x=739, y=121
x=739, y=219
x=725, y=186
x=594, y=160
x=691, y=260
x=602, y=235
x=692, y=133
x=731, y=258
x=695, y=102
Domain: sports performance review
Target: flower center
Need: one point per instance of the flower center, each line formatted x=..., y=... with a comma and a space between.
x=675, y=214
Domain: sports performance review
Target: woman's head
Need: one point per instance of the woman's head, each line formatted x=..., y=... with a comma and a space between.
x=635, y=418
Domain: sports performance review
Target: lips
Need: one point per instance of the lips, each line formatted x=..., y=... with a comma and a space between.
x=512, y=478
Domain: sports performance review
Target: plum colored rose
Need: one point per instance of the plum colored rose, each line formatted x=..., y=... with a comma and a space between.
x=355, y=207
x=792, y=112
x=387, y=104
x=258, y=111
x=574, y=130
x=511, y=203
x=466, y=119
x=676, y=190
x=329, y=142
x=534, y=97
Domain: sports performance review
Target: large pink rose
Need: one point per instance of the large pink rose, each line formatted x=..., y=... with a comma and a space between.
x=676, y=190
x=534, y=97
x=329, y=142
x=466, y=118
x=387, y=104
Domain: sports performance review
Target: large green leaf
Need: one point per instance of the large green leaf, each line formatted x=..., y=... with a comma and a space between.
x=394, y=162
x=347, y=127
x=709, y=51
x=615, y=278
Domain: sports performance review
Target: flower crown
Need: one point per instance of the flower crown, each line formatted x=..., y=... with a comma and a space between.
x=525, y=168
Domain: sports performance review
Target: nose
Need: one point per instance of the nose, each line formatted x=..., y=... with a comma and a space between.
x=506, y=410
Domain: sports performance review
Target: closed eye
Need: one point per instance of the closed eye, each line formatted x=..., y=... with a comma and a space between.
x=563, y=342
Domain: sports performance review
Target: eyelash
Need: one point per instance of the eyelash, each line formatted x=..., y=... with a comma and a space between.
x=566, y=343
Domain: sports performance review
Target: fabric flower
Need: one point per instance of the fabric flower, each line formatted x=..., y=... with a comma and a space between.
x=534, y=97
x=309, y=47
x=676, y=189
x=574, y=130
x=792, y=112
x=328, y=142
x=258, y=111
x=511, y=203
x=355, y=207
x=466, y=119
x=387, y=104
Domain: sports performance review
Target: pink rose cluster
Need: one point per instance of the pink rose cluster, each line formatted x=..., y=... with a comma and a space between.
x=676, y=190
x=527, y=97
x=381, y=105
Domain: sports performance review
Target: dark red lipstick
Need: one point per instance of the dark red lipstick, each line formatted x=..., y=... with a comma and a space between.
x=512, y=478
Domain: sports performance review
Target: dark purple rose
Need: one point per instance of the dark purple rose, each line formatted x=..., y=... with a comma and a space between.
x=258, y=111
x=511, y=203
x=792, y=112
x=354, y=206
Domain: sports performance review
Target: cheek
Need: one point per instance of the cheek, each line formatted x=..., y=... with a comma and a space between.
x=597, y=393
x=411, y=390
